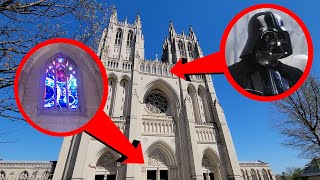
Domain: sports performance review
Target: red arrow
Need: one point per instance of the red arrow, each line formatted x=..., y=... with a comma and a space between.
x=211, y=64
x=103, y=129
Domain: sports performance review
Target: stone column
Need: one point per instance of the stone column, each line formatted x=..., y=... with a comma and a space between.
x=158, y=174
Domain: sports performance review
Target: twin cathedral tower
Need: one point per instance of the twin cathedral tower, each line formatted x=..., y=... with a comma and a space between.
x=180, y=124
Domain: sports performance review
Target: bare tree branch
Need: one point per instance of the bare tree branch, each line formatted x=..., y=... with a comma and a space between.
x=25, y=23
x=299, y=118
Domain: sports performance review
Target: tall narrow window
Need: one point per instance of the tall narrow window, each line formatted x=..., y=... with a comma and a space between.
x=265, y=175
x=118, y=37
x=61, y=84
x=254, y=175
x=181, y=49
x=130, y=38
x=190, y=50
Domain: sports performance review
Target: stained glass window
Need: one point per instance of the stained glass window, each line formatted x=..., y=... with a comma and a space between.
x=61, y=84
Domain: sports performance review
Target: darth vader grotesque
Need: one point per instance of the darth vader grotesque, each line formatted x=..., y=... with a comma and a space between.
x=260, y=71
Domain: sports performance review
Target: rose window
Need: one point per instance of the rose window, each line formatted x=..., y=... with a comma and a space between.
x=156, y=103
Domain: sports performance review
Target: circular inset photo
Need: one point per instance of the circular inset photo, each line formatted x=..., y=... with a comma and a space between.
x=60, y=87
x=267, y=53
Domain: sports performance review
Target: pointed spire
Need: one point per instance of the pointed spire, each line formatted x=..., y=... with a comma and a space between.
x=138, y=17
x=114, y=15
x=171, y=29
x=126, y=21
x=191, y=33
x=138, y=20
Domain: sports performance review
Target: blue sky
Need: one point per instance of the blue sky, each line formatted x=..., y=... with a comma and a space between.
x=248, y=120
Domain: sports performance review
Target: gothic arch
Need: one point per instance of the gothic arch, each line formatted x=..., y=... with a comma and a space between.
x=125, y=77
x=203, y=104
x=105, y=162
x=104, y=151
x=119, y=35
x=265, y=174
x=243, y=175
x=124, y=96
x=31, y=87
x=167, y=90
x=253, y=174
x=212, y=154
x=112, y=86
x=211, y=163
x=112, y=75
x=167, y=154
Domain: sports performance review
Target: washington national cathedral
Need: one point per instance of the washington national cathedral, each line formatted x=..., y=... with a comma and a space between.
x=180, y=124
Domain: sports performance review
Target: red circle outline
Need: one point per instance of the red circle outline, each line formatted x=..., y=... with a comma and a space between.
x=27, y=57
x=310, y=53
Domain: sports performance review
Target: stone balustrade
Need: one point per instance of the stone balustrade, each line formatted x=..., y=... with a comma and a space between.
x=114, y=64
x=157, y=126
x=205, y=132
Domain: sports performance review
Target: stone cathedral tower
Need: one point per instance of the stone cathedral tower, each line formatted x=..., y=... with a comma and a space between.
x=180, y=124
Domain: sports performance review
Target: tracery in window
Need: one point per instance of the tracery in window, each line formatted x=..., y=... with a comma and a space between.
x=181, y=49
x=254, y=175
x=61, y=84
x=265, y=175
x=190, y=50
x=156, y=103
x=130, y=38
x=118, y=37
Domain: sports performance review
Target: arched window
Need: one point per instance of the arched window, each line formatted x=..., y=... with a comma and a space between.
x=61, y=89
x=254, y=175
x=130, y=38
x=2, y=175
x=148, y=68
x=153, y=69
x=181, y=49
x=142, y=67
x=265, y=175
x=24, y=176
x=118, y=37
x=190, y=50
x=243, y=175
x=156, y=102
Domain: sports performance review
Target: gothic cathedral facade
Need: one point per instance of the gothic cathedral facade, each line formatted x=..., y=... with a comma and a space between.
x=180, y=124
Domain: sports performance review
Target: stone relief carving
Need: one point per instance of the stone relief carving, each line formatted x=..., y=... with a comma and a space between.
x=206, y=161
x=107, y=160
x=156, y=159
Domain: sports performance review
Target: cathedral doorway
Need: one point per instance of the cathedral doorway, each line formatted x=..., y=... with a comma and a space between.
x=157, y=174
x=160, y=162
x=106, y=168
x=210, y=165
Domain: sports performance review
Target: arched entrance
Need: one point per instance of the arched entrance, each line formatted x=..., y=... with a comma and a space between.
x=106, y=168
x=210, y=165
x=160, y=162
